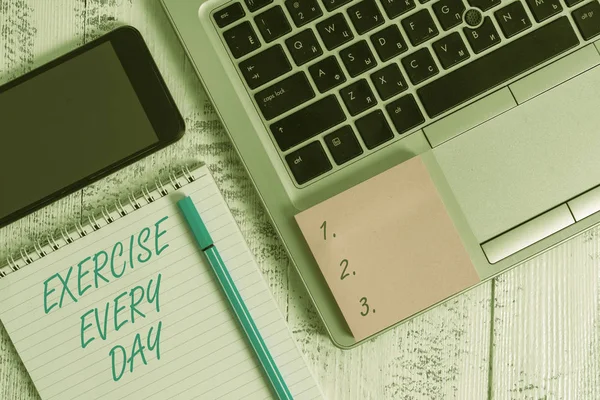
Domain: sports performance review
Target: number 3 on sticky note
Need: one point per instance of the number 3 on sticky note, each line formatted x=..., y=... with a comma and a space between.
x=366, y=308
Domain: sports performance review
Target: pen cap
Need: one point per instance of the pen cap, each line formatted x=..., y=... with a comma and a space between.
x=192, y=217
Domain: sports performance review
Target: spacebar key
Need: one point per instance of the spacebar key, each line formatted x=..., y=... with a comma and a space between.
x=307, y=122
x=497, y=67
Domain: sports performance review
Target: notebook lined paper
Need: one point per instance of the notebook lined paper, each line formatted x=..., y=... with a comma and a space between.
x=161, y=329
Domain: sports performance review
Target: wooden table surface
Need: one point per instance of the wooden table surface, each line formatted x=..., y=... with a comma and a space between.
x=533, y=333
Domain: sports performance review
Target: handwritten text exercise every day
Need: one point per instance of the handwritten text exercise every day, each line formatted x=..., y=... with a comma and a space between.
x=99, y=270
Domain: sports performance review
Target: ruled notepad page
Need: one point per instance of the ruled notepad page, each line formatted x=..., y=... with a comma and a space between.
x=89, y=325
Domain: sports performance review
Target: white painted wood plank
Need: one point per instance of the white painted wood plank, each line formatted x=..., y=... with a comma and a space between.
x=547, y=325
x=32, y=33
x=442, y=354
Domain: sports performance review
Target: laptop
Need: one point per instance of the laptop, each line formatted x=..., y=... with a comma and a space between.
x=320, y=95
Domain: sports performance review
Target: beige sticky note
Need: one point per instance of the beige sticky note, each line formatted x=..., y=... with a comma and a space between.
x=387, y=248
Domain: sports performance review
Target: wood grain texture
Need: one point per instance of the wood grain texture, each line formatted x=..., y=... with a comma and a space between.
x=531, y=334
x=546, y=325
x=32, y=33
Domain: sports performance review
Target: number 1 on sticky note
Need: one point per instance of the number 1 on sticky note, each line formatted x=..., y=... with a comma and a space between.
x=324, y=227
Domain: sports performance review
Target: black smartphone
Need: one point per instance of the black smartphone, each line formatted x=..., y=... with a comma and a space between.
x=79, y=118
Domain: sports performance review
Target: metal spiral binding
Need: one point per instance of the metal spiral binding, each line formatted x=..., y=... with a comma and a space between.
x=25, y=256
x=147, y=194
x=66, y=237
x=133, y=201
x=120, y=209
x=11, y=262
x=52, y=242
x=106, y=215
x=161, y=188
x=41, y=248
x=174, y=182
x=188, y=174
x=80, y=230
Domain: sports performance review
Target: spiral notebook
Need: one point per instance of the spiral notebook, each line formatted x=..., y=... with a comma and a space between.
x=126, y=306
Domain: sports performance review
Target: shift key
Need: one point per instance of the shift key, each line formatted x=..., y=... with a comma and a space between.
x=265, y=66
x=307, y=122
x=285, y=95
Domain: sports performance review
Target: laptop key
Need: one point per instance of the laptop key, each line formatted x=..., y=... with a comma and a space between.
x=303, y=11
x=358, y=58
x=419, y=27
x=449, y=12
x=365, y=16
x=229, y=15
x=498, y=66
x=450, y=50
x=405, y=113
x=512, y=19
x=587, y=19
x=272, y=24
x=484, y=5
x=484, y=37
x=327, y=74
x=308, y=162
x=307, y=122
x=358, y=97
x=284, y=95
x=374, y=129
x=388, y=43
x=419, y=66
x=334, y=31
x=395, y=8
x=571, y=3
x=304, y=47
x=241, y=39
x=389, y=81
x=542, y=10
x=254, y=5
x=343, y=145
x=331, y=5
x=265, y=66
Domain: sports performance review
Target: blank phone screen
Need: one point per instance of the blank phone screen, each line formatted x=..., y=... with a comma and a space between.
x=66, y=124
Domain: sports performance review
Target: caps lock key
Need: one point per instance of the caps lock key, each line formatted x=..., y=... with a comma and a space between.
x=285, y=95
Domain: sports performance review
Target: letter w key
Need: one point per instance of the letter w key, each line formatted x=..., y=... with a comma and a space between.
x=334, y=31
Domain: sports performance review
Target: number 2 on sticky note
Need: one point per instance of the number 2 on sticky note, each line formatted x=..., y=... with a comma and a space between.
x=345, y=274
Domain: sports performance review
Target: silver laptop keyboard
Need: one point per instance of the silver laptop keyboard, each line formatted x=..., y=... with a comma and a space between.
x=334, y=80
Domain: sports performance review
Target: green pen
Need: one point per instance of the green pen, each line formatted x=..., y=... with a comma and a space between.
x=191, y=215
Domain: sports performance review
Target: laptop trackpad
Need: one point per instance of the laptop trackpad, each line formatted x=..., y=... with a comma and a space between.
x=529, y=159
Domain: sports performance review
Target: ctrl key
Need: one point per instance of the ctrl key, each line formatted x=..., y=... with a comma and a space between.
x=308, y=162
